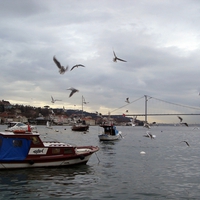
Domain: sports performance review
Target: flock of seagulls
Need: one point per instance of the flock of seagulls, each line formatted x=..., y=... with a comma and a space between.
x=149, y=135
x=63, y=69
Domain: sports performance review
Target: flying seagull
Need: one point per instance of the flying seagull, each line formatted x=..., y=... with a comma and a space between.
x=146, y=125
x=62, y=69
x=73, y=90
x=150, y=135
x=54, y=100
x=78, y=65
x=181, y=119
x=116, y=58
x=184, y=124
x=186, y=143
x=127, y=100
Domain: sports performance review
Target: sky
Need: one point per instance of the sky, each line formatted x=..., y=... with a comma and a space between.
x=160, y=40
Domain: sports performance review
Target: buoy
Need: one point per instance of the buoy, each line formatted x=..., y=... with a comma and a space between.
x=142, y=152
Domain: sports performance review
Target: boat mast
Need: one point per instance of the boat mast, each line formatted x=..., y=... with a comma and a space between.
x=82, y=107
x=145, y=108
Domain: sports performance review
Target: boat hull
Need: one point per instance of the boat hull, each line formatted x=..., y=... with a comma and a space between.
x=80, y=128
x=53, y=163
x=106, y=137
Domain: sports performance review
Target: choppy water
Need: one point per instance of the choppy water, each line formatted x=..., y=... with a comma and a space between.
x=169, y=169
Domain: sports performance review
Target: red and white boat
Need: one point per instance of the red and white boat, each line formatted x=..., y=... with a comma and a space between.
x=23, y=149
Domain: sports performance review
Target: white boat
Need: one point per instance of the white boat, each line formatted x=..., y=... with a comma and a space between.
x=110, y=133
x=17, y=126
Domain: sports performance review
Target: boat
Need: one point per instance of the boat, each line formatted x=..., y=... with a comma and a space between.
x=24, y=149
x=110, y=133
x=80, y=124
x=15, y=126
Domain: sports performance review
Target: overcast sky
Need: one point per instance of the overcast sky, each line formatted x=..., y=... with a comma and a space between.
x=160, y=40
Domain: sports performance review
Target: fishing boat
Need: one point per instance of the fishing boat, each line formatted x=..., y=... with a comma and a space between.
x=17, y=126
x=25, y=149
x=80, y=124
x=110, y=133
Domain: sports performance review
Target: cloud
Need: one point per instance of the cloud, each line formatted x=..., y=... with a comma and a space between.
x=159, y=40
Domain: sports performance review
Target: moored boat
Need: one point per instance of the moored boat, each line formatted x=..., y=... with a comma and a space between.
x=110, y=133
x=80, y=127
x=22, y=149
x=17, y=126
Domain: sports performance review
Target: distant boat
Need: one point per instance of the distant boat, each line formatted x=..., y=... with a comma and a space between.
x=22, y=149
x=80, y=124
x=13, y=126
x=80, y=127
x=110, y=133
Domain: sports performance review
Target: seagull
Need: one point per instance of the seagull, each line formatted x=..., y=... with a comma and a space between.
x=186, y=143
x=146, y=125
x=127, y=100
x=83, y=100
x=149, y=135
x=62, y=69
x=116, y=58
x=54, y=100
x=184, y=124
x=181, y=119
x=73, y=90
x=78, y=65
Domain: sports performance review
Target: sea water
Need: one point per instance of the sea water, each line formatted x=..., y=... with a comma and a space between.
x=168, y=168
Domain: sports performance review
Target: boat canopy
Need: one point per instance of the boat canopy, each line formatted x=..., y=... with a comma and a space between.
x=14, y=148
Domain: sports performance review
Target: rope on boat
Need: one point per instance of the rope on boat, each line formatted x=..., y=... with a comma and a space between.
x=97, y=157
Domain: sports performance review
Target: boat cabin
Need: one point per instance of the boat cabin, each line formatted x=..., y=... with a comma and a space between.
x=21, y=146
x=110, y=130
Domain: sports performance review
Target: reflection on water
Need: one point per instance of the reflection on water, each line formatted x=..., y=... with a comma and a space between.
x=47, y=182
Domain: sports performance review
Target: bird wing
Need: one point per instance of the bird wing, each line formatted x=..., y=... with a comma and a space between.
x=121, y=60
x=186, y=143
x=73, y=67
x=57, y=62
x=181, y=119
x=114, y=54
x=72, y=92
x=78, y=65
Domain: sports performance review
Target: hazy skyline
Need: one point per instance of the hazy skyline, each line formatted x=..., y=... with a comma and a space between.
x=158, y=39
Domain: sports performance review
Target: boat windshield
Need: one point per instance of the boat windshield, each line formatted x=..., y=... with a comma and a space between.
x=11, y=125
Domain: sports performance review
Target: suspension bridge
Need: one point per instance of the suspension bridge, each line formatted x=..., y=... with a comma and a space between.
x=156, y=107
